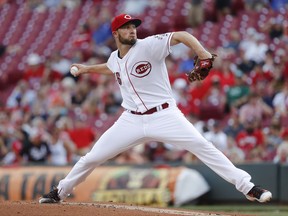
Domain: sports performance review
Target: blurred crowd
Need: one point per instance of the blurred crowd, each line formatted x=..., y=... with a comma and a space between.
x=51, y=117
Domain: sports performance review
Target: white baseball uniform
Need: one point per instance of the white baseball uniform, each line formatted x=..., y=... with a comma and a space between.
x=144, y=85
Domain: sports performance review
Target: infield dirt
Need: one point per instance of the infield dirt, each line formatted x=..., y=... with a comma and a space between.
x=33, y=208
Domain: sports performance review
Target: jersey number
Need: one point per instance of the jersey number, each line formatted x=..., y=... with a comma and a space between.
x=117, y=74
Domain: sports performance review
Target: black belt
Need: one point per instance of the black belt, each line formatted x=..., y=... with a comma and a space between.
x=152, y=110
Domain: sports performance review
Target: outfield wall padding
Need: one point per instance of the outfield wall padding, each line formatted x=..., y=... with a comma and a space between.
x=283, y=185
x=22, y=183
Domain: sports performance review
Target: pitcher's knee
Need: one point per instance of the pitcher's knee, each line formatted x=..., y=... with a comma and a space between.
x=88, y=160
x=203, y=146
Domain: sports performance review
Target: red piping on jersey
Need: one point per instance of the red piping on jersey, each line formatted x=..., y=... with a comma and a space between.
x=133, y=85
x=118, y=65
x=168, y=43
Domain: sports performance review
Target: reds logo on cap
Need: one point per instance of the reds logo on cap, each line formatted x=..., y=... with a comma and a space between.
x=127, y=16
x=122, y=19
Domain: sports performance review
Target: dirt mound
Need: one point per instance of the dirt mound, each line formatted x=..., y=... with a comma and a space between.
x=26, y=208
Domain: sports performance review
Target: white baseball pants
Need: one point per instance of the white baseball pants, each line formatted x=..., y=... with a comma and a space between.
x=168, y=126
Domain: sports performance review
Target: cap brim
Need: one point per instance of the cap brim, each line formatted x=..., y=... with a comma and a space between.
x=136, y=22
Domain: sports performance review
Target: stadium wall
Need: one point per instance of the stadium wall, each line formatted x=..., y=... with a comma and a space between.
x=268, y=175
x=29, y=182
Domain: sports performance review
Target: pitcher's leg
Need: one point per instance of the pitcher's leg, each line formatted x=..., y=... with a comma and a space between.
x=221, y=165
x=180, y=132
x=120, y=137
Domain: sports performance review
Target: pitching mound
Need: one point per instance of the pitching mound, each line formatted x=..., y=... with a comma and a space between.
x=24, y=208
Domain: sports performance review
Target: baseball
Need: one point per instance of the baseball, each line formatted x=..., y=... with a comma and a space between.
x=74, y=70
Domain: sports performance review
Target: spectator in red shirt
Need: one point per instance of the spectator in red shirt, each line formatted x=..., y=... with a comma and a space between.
x=35, y=69
x=214, y=101
x=259, y=75
x=83, y=136
x=285, y=70
x=251, y=141
x=195, y=94
x=37, y=72
x=223, y=73
x=83, y=38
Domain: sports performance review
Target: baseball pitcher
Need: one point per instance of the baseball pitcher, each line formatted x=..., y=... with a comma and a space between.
x=150, y=112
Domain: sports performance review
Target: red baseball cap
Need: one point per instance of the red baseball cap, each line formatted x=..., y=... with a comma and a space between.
x=122, y=19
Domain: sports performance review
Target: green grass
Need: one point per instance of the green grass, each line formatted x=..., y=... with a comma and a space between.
x=257, y=210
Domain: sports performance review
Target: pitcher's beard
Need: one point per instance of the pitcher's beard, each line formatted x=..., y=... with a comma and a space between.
x=127, y=41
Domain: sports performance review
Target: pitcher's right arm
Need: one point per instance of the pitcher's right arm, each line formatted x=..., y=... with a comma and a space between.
x=98, y=68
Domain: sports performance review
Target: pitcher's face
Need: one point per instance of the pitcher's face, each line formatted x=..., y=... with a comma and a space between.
x=127, y=34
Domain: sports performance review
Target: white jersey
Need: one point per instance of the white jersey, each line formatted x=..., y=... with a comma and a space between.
x=142, y=74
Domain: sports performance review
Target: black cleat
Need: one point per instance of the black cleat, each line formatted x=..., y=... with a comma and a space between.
x=259, y=194
x=51, y=197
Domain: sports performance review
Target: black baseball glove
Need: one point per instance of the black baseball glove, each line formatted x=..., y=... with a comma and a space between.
x=201, y=68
